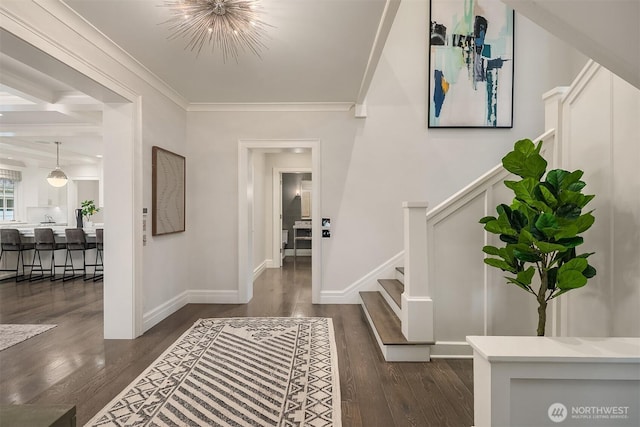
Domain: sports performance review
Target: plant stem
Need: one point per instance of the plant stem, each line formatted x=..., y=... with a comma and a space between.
x=542, y=303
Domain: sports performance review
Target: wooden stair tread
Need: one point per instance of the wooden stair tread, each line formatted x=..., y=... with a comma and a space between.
x=400, y=269
x=394, y=288
x=385, y=321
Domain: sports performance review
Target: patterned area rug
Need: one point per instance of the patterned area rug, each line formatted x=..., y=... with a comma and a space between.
x=13, y=334
x=237, y=372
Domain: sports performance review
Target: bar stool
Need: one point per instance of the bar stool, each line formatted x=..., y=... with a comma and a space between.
x=45, y=240
x=10, y=241
x=76, y=242
x=98, y=266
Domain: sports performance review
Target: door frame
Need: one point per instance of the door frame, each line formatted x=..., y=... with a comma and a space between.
x=122, y=163
x=276, y=261
x=245, y=211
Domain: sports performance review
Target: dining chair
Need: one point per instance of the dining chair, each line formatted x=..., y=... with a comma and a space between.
x=76, y=242
x=45, y=241
x=98, y=267
x=11, y=241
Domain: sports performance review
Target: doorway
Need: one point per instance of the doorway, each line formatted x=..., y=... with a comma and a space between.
x=246, y=208
x=287, y=208
x=122, y=140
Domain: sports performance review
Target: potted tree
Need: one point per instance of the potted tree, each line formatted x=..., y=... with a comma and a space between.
x=540, y=229
x=88, y=210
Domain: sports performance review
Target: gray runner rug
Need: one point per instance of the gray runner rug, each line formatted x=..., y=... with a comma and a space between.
x=13, y=334
x=237, y=372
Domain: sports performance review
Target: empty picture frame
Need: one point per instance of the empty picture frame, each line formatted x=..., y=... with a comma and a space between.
x=470, y=64
x=168, y=192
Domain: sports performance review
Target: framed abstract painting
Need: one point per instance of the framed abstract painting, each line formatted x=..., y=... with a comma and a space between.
x=470, y=64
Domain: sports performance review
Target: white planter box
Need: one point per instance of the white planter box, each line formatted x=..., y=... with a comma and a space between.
x=550, y=381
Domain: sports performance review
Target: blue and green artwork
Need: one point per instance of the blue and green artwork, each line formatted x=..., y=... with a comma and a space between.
x=471, y=64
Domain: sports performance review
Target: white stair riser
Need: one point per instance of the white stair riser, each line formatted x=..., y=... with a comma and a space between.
x=398, y=353
x=399, y=277
x=389, y=300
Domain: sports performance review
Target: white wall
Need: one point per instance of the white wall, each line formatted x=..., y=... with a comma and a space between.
x=369, y=166
x=213, y=146
x=164, y=256
x=601, y=136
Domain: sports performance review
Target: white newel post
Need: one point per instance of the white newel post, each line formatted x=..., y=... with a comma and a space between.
x=417, y=305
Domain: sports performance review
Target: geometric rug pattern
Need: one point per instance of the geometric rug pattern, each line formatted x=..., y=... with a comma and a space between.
x=237, y=372
x=13, y=334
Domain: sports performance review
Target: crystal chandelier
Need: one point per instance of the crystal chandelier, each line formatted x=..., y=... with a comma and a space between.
x=227, y=25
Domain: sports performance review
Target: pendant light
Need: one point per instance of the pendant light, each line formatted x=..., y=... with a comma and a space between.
x=56, y=177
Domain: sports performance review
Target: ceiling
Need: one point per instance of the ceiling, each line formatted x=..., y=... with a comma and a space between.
x=38, y=110
x=318, y=51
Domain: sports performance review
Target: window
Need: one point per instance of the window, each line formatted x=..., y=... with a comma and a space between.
x=7, y=199
x=8, y=183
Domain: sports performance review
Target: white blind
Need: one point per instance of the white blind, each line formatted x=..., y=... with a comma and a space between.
x=11, y=174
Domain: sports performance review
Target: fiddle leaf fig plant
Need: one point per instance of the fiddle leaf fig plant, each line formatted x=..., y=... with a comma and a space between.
x=541, y=228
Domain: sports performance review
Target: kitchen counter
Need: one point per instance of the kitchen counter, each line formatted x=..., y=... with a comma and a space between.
x=22, y=224
x=26, y=229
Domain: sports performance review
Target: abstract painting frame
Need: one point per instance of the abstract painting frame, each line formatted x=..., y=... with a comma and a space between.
x=168, y=192
x=471, y=66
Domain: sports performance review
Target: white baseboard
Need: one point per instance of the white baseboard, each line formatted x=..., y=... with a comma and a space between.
x=451, y=350
x=156, y=315
x=213, y=297
x=260, y=269
x=166, y=309
x=346, y=296
x=369, y=282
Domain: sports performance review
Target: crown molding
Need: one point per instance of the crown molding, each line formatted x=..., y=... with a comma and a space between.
x=272, y=106
x=69, y=17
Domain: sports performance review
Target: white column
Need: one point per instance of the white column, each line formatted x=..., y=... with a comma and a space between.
x=123, y=221
x=417, y=305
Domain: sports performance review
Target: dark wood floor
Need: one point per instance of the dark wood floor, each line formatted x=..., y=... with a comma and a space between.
x=73, y=364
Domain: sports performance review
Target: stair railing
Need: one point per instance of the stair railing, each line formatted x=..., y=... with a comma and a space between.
x=448, y=289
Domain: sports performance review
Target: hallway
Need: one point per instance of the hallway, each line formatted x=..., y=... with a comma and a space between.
x=73, y=364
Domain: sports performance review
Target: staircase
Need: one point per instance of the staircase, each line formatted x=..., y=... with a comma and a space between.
x=382, y=309
x=443, y=261
x=400, y=311
x=443, y=264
